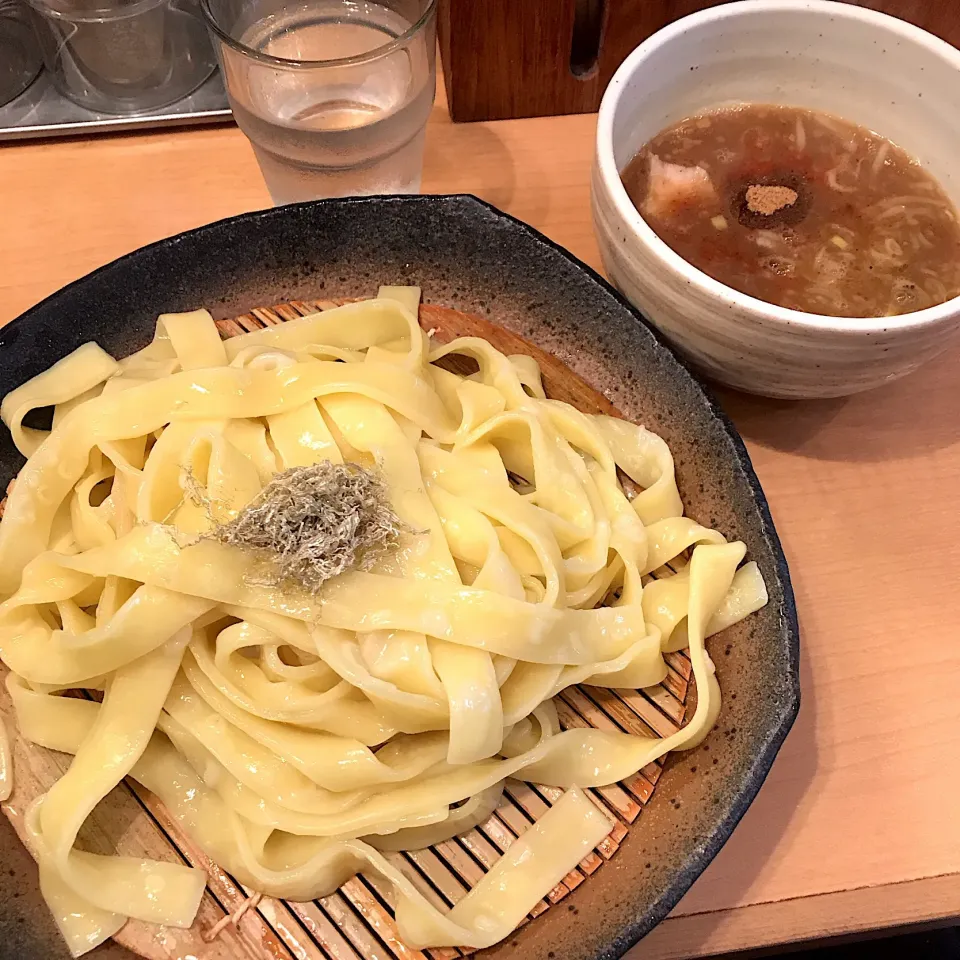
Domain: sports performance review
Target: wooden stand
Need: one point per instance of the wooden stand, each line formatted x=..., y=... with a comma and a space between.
x=504, y=59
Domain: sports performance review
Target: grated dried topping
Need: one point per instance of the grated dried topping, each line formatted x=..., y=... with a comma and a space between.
x=315, y=522
x=769, y=198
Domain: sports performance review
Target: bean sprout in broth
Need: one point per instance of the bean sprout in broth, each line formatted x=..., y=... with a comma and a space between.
x=800, y=209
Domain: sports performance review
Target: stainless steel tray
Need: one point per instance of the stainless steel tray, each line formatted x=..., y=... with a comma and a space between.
x=40, y=111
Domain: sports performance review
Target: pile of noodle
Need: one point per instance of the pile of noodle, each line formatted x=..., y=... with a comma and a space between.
x=295, y=733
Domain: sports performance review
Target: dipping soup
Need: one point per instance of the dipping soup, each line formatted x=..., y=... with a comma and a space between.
x=800, y=209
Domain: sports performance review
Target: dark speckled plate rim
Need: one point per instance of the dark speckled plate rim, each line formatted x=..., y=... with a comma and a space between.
x=629, y=935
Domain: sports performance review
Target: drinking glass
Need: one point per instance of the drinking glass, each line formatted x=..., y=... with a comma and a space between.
x=19, y=56
x=334, y=95
x=124, y=56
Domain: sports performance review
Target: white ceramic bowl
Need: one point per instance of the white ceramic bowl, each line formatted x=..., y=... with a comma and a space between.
x=867, y=67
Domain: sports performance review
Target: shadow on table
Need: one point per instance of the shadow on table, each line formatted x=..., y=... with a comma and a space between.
x=472, y=158
x=910, y=417
x=927, y=945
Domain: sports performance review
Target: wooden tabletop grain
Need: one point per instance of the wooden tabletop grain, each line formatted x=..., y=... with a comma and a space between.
x=856, y=827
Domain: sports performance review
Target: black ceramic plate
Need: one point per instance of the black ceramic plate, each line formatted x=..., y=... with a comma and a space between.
x=467, y=255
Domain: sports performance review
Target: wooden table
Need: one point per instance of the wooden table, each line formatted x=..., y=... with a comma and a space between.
x=857, y=826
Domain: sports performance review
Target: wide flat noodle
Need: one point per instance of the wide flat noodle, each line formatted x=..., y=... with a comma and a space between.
x=293, y=733
x=6, y=764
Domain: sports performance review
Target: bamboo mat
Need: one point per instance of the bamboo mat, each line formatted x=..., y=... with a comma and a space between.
x=356, y=922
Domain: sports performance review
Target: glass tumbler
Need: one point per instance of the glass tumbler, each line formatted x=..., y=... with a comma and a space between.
x=20, y=60
x=334, y=95
x=124, y=56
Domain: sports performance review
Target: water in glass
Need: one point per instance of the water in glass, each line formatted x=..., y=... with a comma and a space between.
x=339, y=129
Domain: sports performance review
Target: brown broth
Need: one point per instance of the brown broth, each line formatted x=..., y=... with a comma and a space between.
x=800, y=209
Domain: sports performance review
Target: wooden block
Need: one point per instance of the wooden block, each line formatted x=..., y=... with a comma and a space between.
x=503, y=59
